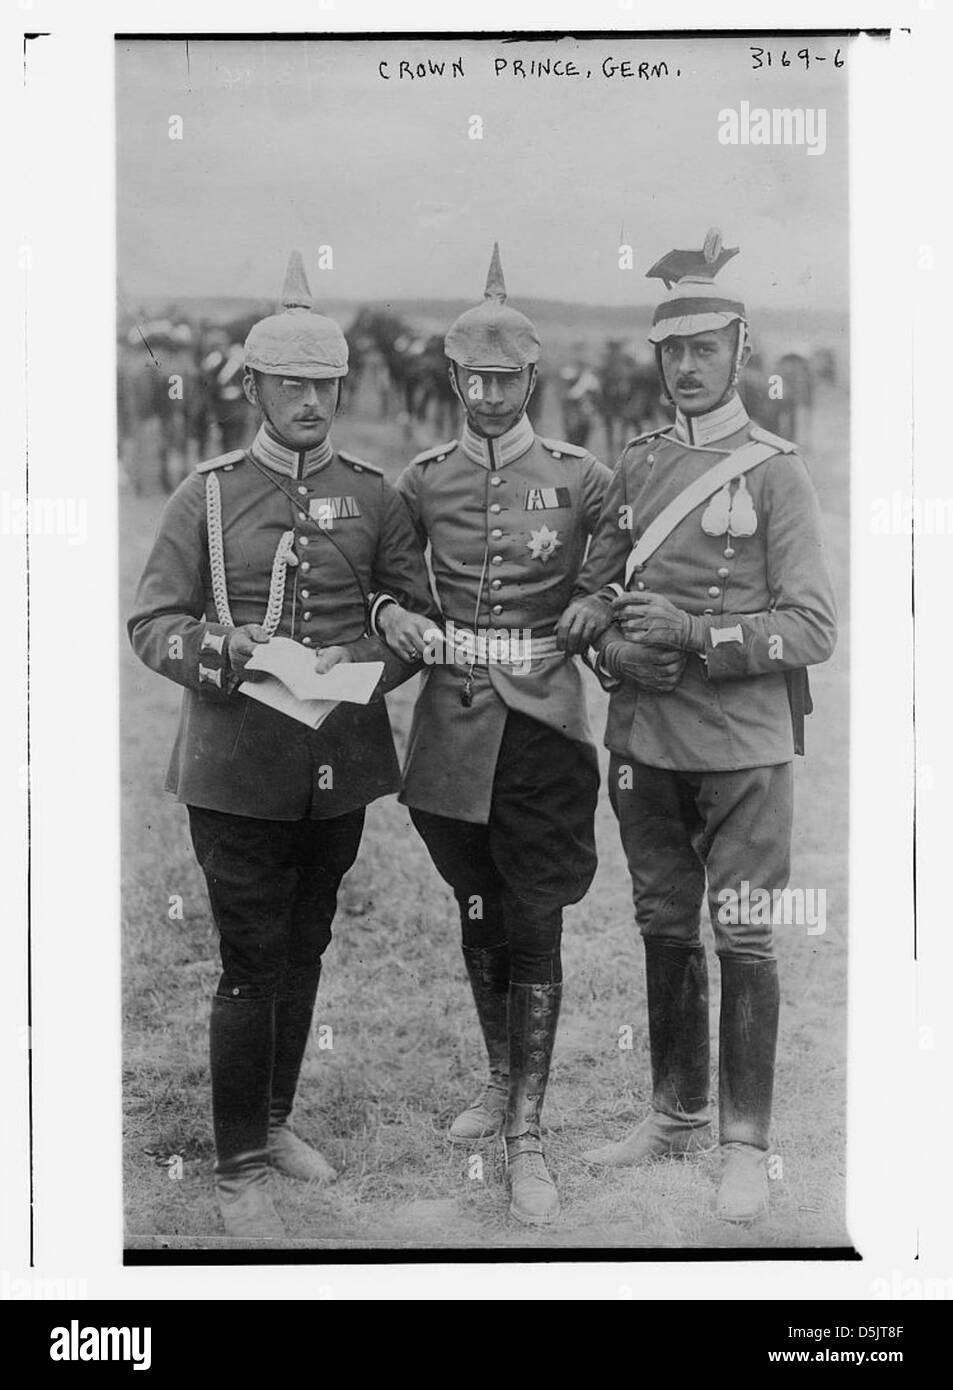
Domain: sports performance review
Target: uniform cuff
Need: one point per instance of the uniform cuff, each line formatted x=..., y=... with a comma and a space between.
x=593, y=659
x=378, y=603
x=698, y=635
x=215, y=676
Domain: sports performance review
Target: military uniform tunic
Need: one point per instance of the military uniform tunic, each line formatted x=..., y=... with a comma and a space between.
x=504, y=790
x=508, y=522
x=349, y=534
x=765, y=599
x=700, y=777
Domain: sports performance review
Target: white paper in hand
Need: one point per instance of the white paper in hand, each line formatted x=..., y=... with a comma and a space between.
x=271, y=691
x=293, y=665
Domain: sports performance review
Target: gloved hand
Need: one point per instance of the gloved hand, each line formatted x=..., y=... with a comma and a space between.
x=652, y=667
x=653, y=618
x=583, y=623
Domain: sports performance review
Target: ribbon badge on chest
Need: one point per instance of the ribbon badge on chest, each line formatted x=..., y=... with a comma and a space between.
x=327, y=510
x=730, y=513
x=543, y=543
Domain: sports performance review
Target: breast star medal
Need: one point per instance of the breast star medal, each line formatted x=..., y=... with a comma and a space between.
x=543, y=543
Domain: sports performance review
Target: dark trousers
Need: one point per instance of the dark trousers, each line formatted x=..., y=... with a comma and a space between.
x=513, y=876
x=679, y=827
x=273, y=890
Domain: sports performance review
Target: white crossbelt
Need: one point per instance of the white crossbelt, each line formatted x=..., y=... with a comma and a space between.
x=738, y=462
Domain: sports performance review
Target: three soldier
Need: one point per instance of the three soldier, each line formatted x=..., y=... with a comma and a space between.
x=692, y=579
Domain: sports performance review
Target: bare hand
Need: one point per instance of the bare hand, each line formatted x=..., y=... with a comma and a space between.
x=407, y=634
x=242, y=642
x=653, y=618
x=329, y=657
x=582, y=624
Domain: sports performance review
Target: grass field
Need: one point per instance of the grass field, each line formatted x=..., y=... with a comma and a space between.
x=406, y=1049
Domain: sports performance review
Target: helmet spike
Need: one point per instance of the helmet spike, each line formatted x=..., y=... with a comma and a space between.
x=296, y=293
x=495, y=286
x=493, y=336
x=295, y=340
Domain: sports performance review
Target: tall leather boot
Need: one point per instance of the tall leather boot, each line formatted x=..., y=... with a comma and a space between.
x=294, y=1009
x=241, y=1053
x=489, y=972
x=533, y=1016
x=676, y=982
x=747, y=1045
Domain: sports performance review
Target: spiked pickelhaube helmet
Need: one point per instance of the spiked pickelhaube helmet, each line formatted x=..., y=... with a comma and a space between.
x=297, y=341
x=493, y=337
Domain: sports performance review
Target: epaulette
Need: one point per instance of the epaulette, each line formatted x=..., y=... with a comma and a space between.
x=436, y=455
x=359, y=465
x=558, y=447
x=222, y=461
x=644, y=438
x=783, y=446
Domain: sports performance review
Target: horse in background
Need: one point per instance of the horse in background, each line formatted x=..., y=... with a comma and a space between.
x=630, y=396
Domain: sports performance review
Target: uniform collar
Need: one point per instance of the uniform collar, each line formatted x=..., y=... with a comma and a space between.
x=715, y=424
x=293, y=463
x=496, y=453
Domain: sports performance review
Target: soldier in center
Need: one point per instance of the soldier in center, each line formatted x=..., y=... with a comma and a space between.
x=502, y=776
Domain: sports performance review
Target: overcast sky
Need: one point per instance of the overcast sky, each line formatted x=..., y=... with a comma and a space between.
x=298, y=144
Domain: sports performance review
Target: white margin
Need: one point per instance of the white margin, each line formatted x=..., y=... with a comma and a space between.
x=61, y=135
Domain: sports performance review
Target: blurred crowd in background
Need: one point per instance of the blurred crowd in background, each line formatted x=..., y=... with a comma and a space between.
x=180, y=396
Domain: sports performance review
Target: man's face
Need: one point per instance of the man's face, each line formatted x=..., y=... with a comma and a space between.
x=494, y=400
x=298, y=409
x=697, y=369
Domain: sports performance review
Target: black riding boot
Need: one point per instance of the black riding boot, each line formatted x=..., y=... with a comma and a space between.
x=489, y=972
x=748, y=1040
x=241, y=1054
x=676, y=981
x=533, y=1016
x=294, y=1009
